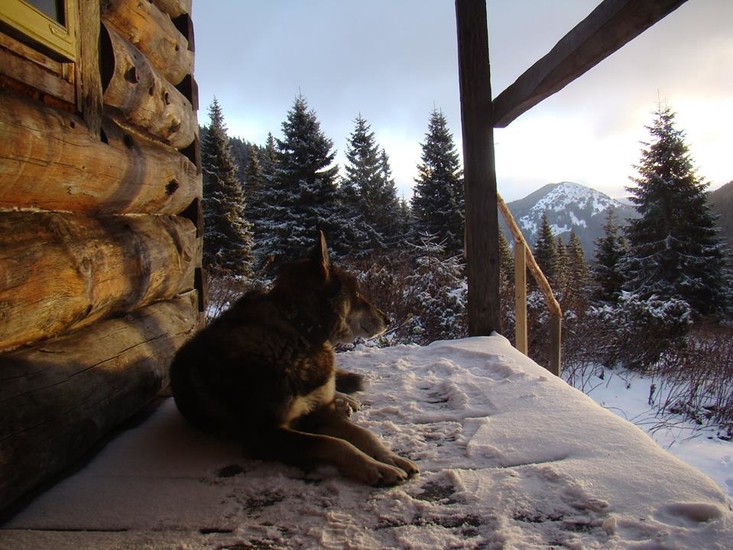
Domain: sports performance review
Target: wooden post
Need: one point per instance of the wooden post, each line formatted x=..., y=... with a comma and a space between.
x=555, y=343
x=520, y=296
x=482, y=225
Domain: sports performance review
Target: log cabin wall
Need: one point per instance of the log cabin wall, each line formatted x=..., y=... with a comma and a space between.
x=100, y=226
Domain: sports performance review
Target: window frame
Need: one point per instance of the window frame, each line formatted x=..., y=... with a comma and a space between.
x=59, y=40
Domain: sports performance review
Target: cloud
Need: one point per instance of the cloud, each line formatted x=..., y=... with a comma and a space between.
x=394, y=62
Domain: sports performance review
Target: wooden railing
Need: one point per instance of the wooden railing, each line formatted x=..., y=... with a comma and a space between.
x=523, y=260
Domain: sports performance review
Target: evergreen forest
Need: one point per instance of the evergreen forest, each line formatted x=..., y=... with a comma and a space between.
x=657, y=296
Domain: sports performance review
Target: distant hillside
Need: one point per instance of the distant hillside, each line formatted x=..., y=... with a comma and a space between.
x=569, y=206
x=721, y=202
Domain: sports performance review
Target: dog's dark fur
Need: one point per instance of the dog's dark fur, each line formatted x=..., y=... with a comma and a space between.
x=264, y=372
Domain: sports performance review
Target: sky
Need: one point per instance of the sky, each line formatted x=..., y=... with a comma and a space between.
x=395, y=62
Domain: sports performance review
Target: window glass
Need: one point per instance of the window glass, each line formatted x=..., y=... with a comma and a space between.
x=53, y=8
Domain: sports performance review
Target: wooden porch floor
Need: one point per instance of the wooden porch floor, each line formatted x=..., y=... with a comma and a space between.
x=510, y=457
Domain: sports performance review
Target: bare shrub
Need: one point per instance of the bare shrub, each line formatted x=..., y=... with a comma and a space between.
x=223, y=290
x=696, y=380
x=425, y=296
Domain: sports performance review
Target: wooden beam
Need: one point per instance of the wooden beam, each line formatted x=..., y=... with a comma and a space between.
x=482, y=224
x=88, y=77
x=174, y=8
x=520, y=297
x=609, y=27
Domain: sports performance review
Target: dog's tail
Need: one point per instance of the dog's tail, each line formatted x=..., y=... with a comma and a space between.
x=349, y=382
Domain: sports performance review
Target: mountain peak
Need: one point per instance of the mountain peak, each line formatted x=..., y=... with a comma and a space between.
x=569, y=206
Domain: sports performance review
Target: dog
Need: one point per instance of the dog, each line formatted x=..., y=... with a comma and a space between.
x=264, y=372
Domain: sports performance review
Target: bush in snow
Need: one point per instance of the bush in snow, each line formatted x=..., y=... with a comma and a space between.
x=425, y=296
x=696, y=380
x=637, y=331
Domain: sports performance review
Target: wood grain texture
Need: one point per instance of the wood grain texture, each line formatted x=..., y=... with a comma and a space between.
x=144, y=97
x=88, y=76
x=174, y=8
x=482, y=224
x=154, y=34
x=37, y=77
x=60, y=272
x=49, y=160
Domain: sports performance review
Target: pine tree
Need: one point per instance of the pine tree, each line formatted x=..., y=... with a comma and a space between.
x=506, y=259
x=241, y=153
x=253, y=188
x=607, y=271
x=674, y=249
x=360, y=189
x=227, y=234
x=387, y=216
x=438, y=200
x=303, y=193
x=560, y=278
x=545, y=250
x=576, y=267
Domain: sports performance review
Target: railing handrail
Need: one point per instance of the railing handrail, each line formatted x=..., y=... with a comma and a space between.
x=526, y=260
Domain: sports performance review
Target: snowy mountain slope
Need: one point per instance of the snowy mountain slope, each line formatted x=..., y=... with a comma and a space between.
x=510, y=456
x=569, y=206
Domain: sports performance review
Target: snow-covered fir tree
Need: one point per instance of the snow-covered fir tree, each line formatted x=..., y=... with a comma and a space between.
x=506, y=259
x=302, y=194
x=438, y=200
x=560, y=280
x=674, y=248
x=227, y=234
x=369, y=192
x=440, y=292
x=388, y=215
x=576, y=268
x=360, y=189
x=607, y=270
x=545, y=250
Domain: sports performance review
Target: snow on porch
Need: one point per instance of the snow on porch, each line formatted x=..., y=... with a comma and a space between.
x=510, y=457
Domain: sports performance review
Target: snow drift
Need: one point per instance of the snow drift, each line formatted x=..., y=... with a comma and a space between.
x=510, y=457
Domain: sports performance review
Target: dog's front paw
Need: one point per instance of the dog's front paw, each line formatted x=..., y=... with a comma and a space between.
x=345, y=404
x=405, y=464
x=380, y=474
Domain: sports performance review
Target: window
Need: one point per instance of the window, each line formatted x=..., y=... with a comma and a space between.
x=48, y=23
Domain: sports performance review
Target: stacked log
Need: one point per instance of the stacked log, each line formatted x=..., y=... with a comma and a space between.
x=59, y=398
x=50, y=161
x=100, y=235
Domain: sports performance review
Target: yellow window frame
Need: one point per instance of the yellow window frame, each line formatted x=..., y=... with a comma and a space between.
x=36, y=25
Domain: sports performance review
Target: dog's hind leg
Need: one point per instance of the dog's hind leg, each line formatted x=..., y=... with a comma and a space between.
x=349, y=382
x=296, y=447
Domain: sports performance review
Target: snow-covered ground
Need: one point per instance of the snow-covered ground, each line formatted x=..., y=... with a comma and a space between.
x=510, y=458
x=627, y=395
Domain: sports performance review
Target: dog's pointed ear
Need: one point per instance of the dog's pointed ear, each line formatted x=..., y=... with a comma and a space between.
x=320, y=255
